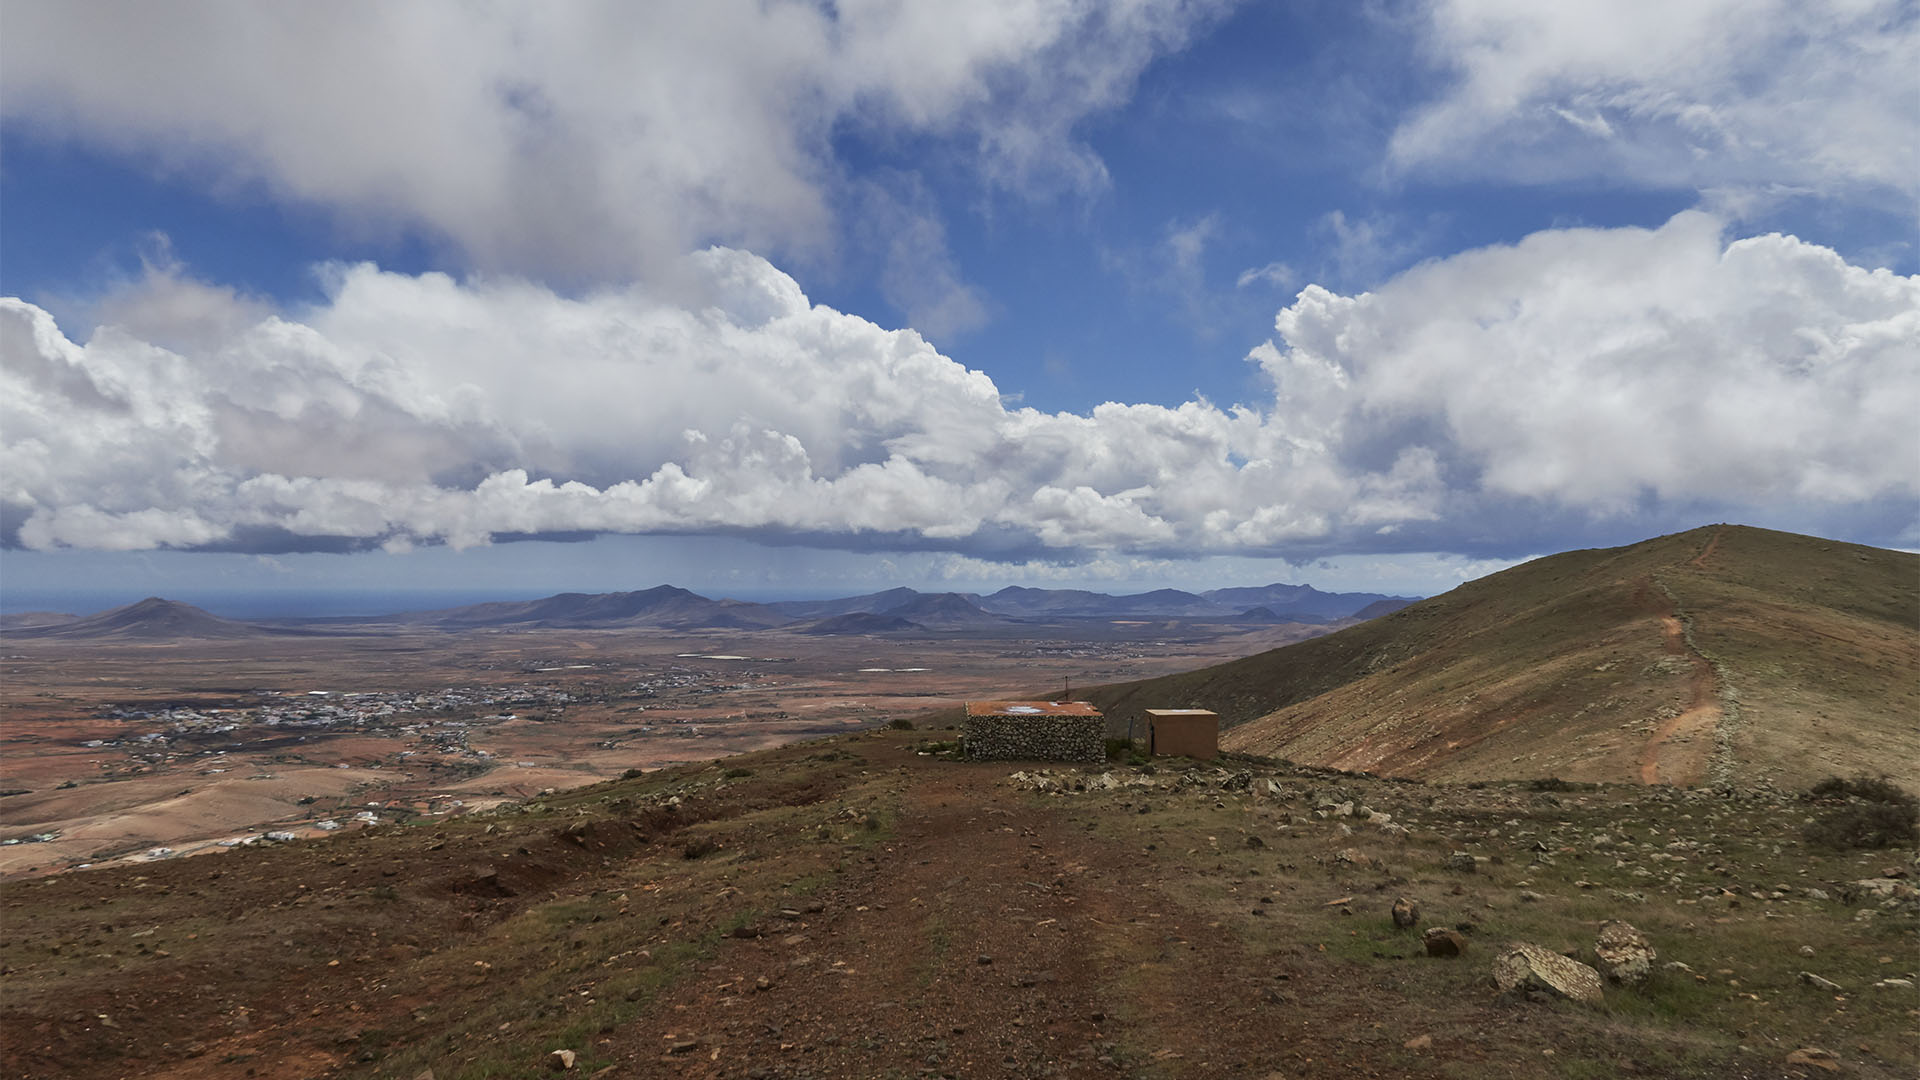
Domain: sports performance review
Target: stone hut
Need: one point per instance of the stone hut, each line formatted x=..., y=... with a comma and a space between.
x=1034, y=730
x=1193, y=733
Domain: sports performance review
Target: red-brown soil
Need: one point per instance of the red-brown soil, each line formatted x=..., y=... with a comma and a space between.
x=857, y=908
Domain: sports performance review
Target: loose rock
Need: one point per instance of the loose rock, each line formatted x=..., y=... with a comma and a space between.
x=561, y=1060
x=1819, y=983
x=1531, y=967
x=1406, y=913
x=1824, y=1060
x=1625, y=954
x=1441, y=941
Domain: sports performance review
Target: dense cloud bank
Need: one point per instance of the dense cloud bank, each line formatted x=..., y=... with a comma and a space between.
x=1581, y=373
x=602, y=138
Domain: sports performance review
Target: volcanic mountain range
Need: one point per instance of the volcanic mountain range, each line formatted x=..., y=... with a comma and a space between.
x=673, y=608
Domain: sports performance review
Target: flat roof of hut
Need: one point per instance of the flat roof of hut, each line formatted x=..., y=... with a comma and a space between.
x=1031, y=708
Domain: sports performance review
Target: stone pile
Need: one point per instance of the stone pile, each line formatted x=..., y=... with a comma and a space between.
x=1070, y=783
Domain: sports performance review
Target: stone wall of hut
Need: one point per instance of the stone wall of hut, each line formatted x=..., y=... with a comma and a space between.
x=1035, y=738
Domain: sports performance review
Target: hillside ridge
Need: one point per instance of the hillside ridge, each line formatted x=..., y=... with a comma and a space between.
x=1698, y=657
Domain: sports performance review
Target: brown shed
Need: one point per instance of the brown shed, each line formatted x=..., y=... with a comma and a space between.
x=1193, y=733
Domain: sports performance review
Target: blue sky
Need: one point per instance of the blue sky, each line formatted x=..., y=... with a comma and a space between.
x=779, y=298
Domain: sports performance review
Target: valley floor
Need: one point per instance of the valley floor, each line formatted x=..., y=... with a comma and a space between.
x=128, y=752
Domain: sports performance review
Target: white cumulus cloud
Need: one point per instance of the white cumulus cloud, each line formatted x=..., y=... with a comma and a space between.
x=1578, y=374
x=1597, y=367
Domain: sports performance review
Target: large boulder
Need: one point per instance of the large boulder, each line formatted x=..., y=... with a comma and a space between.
x=1527, y=967
x=1624, y=953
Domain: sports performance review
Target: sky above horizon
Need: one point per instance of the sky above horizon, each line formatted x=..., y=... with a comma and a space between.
x=771, y=298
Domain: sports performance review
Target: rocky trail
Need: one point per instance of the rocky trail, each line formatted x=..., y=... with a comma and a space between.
x=1663, y=759
x=1681, y=748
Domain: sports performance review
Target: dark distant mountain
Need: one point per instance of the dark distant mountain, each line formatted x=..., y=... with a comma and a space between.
x=946, y=611
x=1303, y=602
x=1285, y=603
x=1273, y=596
x=1381, y=607
x=860, y=622
x=23, y=619
x=1018, y=600
x=1082, y=604
x=870, y=604
x=152, y=619
x=1259, y=614
x=665, y=607
x=1171, y=602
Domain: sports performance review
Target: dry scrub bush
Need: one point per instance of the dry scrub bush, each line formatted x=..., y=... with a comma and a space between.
x=1876, y=813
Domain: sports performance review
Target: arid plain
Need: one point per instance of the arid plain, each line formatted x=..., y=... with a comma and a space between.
x=142, y=749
